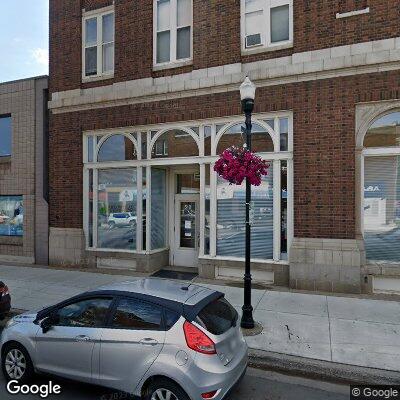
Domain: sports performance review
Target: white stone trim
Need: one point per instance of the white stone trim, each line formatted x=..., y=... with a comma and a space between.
x=352, y=13
x=348, y=60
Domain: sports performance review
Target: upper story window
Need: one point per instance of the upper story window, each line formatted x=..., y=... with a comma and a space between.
x=172, y=31
x=98, y=43
x=266, y=23
x=5, y=136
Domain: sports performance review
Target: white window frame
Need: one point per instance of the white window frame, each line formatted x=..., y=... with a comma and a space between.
x=98, y=14
x=144, y=169
x=266, y=44
x=173, y=61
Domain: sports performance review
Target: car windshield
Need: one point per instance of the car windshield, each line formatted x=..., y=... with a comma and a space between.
x=217, y=317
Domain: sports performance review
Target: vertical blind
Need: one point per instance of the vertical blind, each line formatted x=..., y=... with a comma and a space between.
x=231, y=213
x=382, y=208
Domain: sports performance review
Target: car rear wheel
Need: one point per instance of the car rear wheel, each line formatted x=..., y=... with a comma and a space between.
x=164, y=389
x=16, y=363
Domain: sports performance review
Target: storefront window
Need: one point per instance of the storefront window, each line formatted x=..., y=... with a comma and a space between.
x=11, y=216
x=382, y=208
x=385, y=132
x=188, y=183
x=175, y=143
x=117, y=217
x=381, y=203
x=158, y=208
x=231, y=219
x=207, y=140
x=261, y=140
x=284, y=134
x=125, y=216
x=117, y=148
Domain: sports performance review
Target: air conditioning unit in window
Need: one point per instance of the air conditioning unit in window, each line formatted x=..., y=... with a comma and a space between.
x=253, y=40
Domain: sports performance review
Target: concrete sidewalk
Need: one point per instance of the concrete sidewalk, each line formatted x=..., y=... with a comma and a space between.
x=345, y=330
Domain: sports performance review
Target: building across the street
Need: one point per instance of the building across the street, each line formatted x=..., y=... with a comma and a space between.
x=144, y=96
x=23, y=171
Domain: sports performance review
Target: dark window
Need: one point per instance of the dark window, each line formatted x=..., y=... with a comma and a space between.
x=86, y=313
x=217, y=317
x=171, y=317
x=5, y=136
x=136, y=314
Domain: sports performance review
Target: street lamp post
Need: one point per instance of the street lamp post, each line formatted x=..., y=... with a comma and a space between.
x=247, y=95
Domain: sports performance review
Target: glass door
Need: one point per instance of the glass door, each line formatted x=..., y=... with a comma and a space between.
x=187, y=234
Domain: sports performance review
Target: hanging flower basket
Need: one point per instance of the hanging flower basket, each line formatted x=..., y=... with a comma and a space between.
x=235, y=164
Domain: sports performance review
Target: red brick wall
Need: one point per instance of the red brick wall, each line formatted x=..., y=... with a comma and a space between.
x=216, y=34
x=324, y=145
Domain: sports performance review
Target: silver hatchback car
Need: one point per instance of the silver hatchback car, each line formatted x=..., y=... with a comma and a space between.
x=154, y=338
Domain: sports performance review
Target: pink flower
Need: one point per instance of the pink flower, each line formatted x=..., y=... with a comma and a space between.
x=236, y=164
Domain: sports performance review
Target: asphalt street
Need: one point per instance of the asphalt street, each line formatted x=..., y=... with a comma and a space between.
x=256, y=385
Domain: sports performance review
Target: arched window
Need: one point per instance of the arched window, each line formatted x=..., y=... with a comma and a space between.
x=381, y=208
x=384, y=132
x=117, y=148
x=175, y=143
x=261, y=139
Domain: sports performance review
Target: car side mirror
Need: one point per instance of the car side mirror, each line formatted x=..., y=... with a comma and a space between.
x=49, y=322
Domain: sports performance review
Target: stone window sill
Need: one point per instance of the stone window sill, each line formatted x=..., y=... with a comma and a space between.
x=87, y=79
x=172, y=65
x=263, y=49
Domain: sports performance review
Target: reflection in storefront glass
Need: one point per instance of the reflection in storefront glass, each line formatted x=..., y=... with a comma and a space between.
x=11, y=216
x=261, y=140
x=158, y=208
x=117, y=199
x=117, y=148
x=382, y=208
x=188, y=183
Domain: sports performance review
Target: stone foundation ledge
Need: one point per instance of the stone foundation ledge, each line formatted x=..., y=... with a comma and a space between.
x=329, y=265
x=273, y=273
x=345, y=252
x=67, y=246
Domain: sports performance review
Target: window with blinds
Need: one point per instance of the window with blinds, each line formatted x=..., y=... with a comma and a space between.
x=382, y=208
x=231, y=209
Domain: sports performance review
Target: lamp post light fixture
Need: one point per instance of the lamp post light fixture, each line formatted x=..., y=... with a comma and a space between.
x=247, y=96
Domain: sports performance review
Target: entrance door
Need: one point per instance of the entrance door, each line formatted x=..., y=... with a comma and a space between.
x=187, y=233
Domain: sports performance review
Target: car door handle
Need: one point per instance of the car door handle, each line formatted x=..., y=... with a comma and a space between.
x=149, y=342
x=82, y=338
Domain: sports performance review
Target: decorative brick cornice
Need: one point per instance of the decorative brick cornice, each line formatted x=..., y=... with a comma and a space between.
x=356, y=59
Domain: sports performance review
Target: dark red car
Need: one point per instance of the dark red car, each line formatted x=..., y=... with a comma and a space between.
x=5, y=300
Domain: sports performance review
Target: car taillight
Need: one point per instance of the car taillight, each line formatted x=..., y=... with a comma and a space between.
x=198, y=340
x=4, y=290
x=209, y=395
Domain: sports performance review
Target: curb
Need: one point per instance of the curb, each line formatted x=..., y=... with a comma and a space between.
x=321, y=370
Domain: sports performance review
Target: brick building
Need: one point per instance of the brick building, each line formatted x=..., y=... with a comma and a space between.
x=144, y=95
x=23, y=171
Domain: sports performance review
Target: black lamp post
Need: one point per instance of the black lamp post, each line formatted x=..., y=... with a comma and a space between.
x=247, y=95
